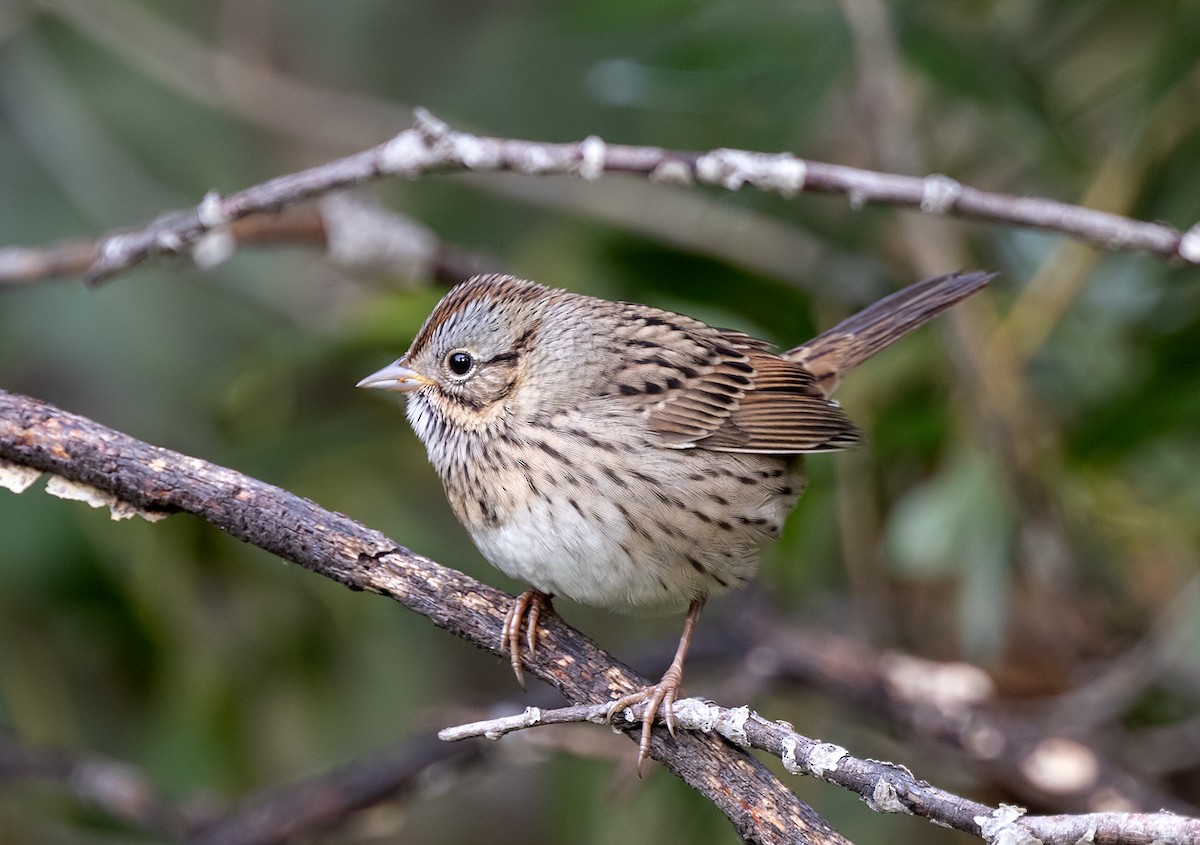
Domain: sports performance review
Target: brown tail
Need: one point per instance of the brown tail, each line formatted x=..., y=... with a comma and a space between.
x=832, y=354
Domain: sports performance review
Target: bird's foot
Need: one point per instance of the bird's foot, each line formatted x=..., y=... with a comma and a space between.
x=524, y=614
x=659, y=699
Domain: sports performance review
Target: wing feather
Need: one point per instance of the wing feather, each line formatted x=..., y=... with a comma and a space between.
x=734, y=396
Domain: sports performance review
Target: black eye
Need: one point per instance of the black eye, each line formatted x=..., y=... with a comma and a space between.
x=460, y=363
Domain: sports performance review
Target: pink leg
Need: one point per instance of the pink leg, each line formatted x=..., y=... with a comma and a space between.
x=661, y=697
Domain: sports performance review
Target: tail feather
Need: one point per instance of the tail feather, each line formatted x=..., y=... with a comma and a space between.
x=833, y=353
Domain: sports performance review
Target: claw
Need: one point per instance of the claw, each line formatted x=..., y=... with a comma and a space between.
x=531, y=622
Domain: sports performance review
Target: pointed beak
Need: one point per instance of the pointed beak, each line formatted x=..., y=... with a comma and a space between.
x=395, y=376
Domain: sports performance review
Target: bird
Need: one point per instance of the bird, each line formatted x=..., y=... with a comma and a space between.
x=626, y=456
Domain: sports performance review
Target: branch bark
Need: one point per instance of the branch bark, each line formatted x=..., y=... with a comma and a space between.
x=123, y=472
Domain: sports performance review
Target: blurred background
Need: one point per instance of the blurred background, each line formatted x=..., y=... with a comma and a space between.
x=1019, y=539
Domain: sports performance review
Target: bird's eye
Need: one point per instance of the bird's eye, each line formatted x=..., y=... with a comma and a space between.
x=460, y=363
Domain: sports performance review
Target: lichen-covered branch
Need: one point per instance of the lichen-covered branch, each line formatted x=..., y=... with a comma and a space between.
x=354, y=234
x=884, y=787
x=431, y=146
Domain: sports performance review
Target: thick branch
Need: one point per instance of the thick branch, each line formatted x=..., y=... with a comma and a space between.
x=431, y=146
x=156, y=480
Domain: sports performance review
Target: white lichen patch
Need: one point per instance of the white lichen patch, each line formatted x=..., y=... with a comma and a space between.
x=16, y=477
x=789, y=757
x=214, y=248
x=885, y=799
x=783, y=173
x=1001, y=828
x=211, y=211
x=75, y=491
x=735, y=729
x=825, y=758
x=405, y=155
x=939, y=193
x=592, y=155
x=672, y=171
x=1189, y=245
x=696, y=715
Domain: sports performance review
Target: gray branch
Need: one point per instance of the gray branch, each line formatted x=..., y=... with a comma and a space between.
x=884, y=787
x=431, y=146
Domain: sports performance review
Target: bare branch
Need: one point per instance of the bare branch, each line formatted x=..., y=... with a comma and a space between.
x=431, y=146
x=267, y=98
x=275, y=815
x=283, y=813
x=534, y=716
x=884, y=787
x=127, y=474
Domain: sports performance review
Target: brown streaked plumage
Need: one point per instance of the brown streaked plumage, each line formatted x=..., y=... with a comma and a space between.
x=623, y=455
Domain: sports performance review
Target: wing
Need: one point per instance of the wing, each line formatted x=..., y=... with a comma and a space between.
x=710, y=388
x=784, y=413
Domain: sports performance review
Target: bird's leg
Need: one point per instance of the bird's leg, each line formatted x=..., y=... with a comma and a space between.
x=660, y=697
x=525, y=612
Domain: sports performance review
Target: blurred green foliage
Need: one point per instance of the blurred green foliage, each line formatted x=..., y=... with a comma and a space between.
x=219, y=671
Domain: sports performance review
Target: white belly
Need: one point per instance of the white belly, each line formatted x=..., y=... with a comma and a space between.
x=560, y=552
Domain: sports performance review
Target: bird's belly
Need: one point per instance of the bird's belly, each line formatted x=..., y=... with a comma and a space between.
x=588, y=559
x=641, y=543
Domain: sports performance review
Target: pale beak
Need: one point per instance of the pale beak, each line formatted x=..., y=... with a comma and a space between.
x=396, y=376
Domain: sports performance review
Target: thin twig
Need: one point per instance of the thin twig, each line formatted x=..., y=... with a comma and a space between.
x=432, y=146
x=355, y=234
x=270, y=99
x=884, y=787
x=1060, y=765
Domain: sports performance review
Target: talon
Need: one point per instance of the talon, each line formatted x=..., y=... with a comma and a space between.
x=510, y=640
x=668, y=710
x=531, y=622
